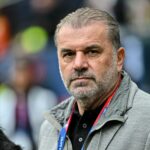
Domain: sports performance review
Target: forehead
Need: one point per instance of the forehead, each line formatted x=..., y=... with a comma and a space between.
x=93, y=31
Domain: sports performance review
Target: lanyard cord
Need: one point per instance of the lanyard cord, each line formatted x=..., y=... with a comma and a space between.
x=63, y=132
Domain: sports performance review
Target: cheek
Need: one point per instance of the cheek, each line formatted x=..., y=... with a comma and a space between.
x=64, y=70
x=101, y=63
x=101, y=66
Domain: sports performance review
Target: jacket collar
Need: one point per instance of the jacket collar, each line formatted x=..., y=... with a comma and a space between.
x=59, y=114
x=121, y=102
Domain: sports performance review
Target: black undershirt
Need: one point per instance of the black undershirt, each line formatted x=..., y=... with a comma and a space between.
x=81, y=125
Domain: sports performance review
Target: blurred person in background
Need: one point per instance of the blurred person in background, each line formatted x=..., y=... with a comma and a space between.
x=4, y=35
x=22, y=104
x=45, y=14
x=106, y=108
x=5, y=40
x=132, y=43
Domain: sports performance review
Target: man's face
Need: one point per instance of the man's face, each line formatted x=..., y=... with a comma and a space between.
x=88, y=63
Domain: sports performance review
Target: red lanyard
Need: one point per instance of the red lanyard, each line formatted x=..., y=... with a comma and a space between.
x=103, y=110
x=63, y=132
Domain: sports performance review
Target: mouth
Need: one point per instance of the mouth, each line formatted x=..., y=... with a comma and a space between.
x=81, y=80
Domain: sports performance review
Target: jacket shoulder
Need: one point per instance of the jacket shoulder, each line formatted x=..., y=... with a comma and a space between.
x=60, y=112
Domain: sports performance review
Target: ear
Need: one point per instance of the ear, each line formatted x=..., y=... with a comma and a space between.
x=120, y=58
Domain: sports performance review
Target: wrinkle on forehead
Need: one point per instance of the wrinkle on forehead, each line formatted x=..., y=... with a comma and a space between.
x=94, y=32
x=91, y=24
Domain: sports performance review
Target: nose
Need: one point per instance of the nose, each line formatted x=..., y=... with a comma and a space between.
x=80, y=61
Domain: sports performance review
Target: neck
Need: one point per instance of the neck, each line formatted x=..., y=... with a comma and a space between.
x=98, y=101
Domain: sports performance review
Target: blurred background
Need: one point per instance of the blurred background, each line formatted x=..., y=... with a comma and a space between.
x=30, y=82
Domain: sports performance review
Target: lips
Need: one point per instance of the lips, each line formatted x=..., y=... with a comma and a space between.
x=81, y=81
x=84, y=78
x=81, y=78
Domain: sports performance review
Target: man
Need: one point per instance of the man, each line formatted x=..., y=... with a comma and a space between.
x=106, y=110
x=6, y=144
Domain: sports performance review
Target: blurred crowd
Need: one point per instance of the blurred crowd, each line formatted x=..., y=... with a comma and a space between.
x=30, y=82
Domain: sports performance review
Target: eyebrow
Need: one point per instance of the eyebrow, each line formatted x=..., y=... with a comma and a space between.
x=93, y=46
x=63, y=50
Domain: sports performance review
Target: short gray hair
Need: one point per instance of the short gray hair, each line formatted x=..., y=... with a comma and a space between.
x=84, y=16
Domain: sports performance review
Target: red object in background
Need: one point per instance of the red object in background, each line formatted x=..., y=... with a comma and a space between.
x=4, y=35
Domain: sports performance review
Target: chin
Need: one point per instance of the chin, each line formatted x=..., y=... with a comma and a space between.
x=81, y=93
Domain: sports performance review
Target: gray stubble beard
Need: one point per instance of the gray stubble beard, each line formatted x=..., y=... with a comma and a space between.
x=101, y=88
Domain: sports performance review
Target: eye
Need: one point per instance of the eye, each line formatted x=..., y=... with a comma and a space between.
x=92, y=52
x=68, y=55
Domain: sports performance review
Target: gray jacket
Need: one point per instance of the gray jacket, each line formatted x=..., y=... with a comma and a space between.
x=124, y=126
